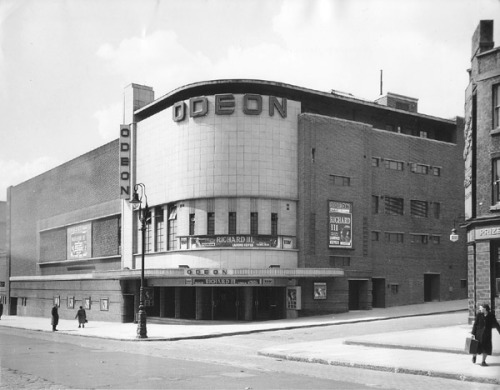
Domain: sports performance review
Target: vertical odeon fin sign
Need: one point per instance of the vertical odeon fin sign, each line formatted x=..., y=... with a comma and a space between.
x=125, y=144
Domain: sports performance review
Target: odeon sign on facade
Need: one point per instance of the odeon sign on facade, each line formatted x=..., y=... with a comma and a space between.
x=227, y=104
x=223, y=104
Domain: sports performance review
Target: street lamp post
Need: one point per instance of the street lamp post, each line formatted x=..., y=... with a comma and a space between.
x=136, y=203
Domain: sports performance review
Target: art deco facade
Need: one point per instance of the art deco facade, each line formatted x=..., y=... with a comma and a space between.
x=267, y=201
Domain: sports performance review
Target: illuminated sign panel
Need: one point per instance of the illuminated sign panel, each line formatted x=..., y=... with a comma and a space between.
x=124, y=155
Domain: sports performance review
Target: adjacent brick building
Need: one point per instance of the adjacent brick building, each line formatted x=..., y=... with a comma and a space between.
x=482, y=170
x=266, y=200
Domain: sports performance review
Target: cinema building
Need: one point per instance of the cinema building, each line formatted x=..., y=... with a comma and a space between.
x=482, y=170
x=266, y=201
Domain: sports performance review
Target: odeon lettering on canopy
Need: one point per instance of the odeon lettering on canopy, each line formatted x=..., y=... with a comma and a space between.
x=226, y=104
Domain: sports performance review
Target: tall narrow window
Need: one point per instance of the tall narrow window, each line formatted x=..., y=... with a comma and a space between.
x=172, y=229
x=375, y=204
x=496, y=106
x=274, y=224
x=119, y=235
x=496, y=181
x=149, y=237
x=210, y=224
x=254, y=223
x=436, y=210
x=159, y=230
x=191, y=224
x=232, y=223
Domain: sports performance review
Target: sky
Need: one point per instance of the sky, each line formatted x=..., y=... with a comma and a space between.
x=64, y=64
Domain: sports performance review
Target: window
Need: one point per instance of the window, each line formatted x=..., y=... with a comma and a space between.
x=394, y=288
x=419, y=168
x=436, y=210
x=375, y=161
x=172, y=229
x=394, y=237
x=419, y=208
x=496, y=106
x=435, y=239
x=423, y=134
x=210, y=224
x=375, y=236
x=159, y=230
x=394, y=206
x=463, y=283
x=232, y=223
x=496, y=181
x=340, y=261
x=419, y=238
x=274, y=224
x=149, y=235
x=192, y=222
x=389, y=128
x=343, y=181
x=394, y=165
x=436, y=171
x=375, y=204
x=254, y=224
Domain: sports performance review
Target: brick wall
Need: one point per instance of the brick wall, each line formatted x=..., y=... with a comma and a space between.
x=105, y=237
x=39, y=298
x=84, y=182
x=53, y=245
x=329, y=146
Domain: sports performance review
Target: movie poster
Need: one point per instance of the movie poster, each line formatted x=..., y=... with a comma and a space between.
x=340, y=224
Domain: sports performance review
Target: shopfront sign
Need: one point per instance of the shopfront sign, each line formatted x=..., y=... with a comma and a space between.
x=487, y=233
x=228, y=104
x=225, y=282
x=340, y=224
x=233, y=241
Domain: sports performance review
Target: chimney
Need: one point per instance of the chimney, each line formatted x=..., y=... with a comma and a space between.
x=135, y=96
x=482, y=40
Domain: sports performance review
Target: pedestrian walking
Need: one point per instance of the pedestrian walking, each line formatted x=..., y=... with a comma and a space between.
x=483, y=324
x=1, y=310
x=82, y=317
x=55, y=318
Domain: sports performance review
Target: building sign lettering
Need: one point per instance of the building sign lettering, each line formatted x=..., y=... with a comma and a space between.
x=487, y=233
x=124, y=155
x=226, y=104
x=208, y=272
x=224, y=281
x=240, y=241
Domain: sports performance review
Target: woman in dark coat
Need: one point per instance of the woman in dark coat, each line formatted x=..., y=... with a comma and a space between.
x=483, y=324
x=82, y=317
x=55, y=318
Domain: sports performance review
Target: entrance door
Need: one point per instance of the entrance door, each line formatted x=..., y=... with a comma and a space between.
x=378, y=292
x=128, y=308
x=358, y=295
x=431, y=288
x=268, y=303
x=13, y=306
x=225, y=307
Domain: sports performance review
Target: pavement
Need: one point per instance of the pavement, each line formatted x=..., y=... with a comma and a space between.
x=436, y=352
